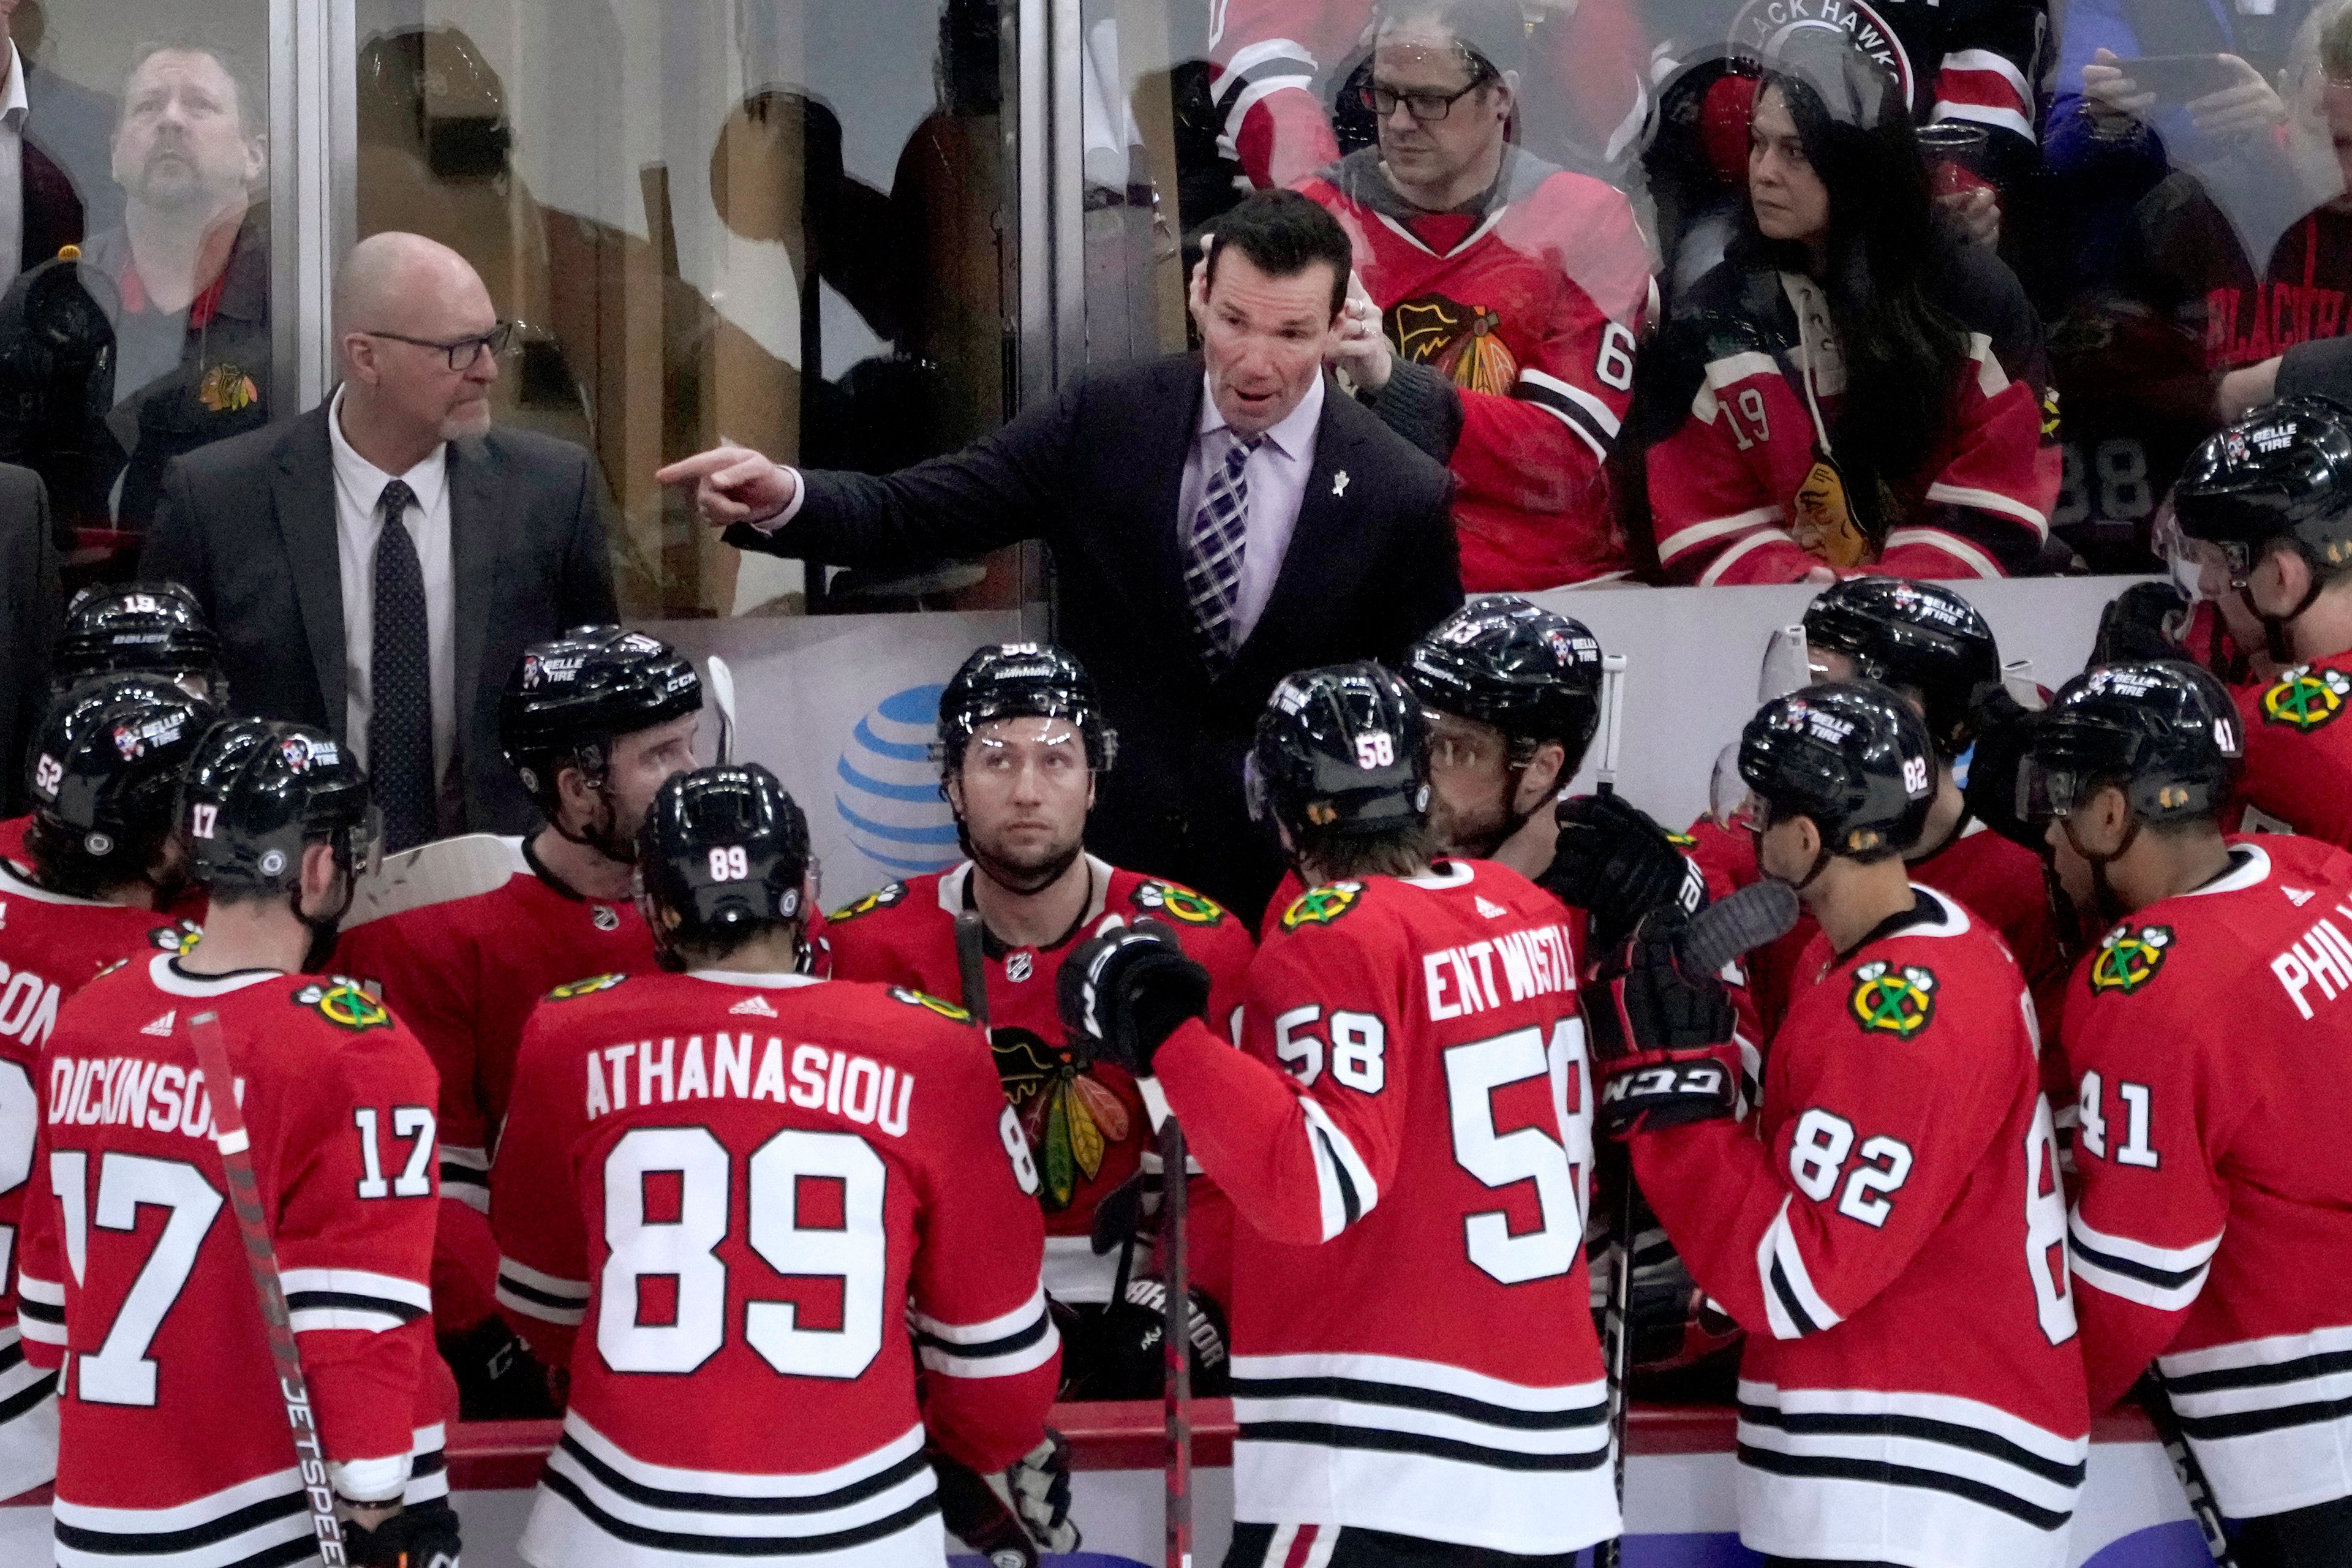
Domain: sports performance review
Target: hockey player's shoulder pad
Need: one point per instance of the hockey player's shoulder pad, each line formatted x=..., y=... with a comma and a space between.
x=1322, y=906
x=343, y=1001
x=572, y=990
x=2306, y=698
x=2129, y=958
x=929, y=1004
x=177, y=939
x=879, y=899
x=1176, y=904
x=1897, y=1000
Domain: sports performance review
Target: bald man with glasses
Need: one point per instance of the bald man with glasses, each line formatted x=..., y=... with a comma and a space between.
x=416, y=548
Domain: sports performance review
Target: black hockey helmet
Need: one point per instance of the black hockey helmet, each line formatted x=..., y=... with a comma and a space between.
x=723, y=852
x=257, y=792
x=1530, y=672
x=146, y=628
x=1850, y=754
x=570, y=697
x=2287, y=472
x=1919, y=635
x=1021, y=680
x=2167, y=732
x=105, y=771
x=1340, y=749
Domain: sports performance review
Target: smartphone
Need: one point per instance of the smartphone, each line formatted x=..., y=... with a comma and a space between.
x=2177, y=78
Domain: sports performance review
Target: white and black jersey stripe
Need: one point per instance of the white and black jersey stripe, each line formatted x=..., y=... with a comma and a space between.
x=1792, y=1304
x=1021, y=1341
x=1912, y=1477
x=324, y=1298
x=40, y=1309
x=1422, y=1448
x=598, y=1504
x=261, y=1524
x=2270, y=1419
x=547, y=1297
x=1585, y=414
x=1256, y=71
x=1344, y=1186
x=28, y=1419
x=465, y=1176
x=2165, y=1278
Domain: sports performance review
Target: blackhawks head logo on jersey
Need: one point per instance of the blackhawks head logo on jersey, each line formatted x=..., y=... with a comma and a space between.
x=571, y=990
x=2304, y=697
x=1891, y=1001
x=1461, y=342
x=1179, y=904
x=948, y=1010
x=2129, y=958
x=1322, y=906
x=179, y=939
x=1069, y=1117
x=342, y=1002
x=879, y=899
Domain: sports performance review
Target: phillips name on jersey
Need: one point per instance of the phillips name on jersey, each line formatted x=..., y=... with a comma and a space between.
x=2211, y=1043
x=173, y=1447
x=1891, y=1231
x=1407, y=1132
x=728, y=1189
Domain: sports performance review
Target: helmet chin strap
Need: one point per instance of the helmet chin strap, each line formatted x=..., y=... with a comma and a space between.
x=324, y=927
x=2274, y=626
x=2108, y=905
x=602, y=835
x=1820, y=863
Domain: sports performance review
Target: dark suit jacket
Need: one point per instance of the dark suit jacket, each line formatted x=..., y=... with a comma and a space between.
x=248, y=525
x=1096, y=474
x=29, y=618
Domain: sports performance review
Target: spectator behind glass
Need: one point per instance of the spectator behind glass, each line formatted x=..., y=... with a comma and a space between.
x=1497, y=298
x=1850, y=390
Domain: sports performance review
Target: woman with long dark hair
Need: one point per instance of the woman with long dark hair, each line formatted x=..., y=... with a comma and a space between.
x=1853, y=389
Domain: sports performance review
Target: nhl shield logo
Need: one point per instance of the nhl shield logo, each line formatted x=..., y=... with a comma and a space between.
x=2129, y=958
x=1020, y=966
x=2305, y=699
x=1891, y=1001
x=604, y=917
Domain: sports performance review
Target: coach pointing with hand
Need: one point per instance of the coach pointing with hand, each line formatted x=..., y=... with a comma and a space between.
x=1219, y=520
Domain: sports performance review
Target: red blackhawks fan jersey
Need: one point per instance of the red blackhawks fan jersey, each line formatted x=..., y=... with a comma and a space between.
x=1088, y=1128
x=2213, y=1231
x=50, y=947
x=1738, y=491
x=465, y=976
x=1891, y=1231
x=2297, y=776
x=733, y=1185
x=174, y=1448
x=1407, y=1132
x=1527, y=302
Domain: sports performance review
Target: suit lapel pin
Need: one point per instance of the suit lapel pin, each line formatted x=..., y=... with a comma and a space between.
x=1340, y=483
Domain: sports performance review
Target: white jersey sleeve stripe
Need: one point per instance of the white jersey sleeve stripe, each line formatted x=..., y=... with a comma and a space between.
x=2167, y=1279
x=1794, y=1308
x=525, y=1289
x=1349, y=1191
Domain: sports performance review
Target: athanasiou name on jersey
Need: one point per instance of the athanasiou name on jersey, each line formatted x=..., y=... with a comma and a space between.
x=131, y=1091
x=644, y=1073
x=1532, y=962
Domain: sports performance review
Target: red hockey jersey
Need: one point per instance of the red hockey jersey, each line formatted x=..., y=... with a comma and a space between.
x=2297, y=776
x=465, y=976
x=1088, y=1128
x=172, y=1430
x=1891, y=1231
x=736, y=1183
x=1736, y=489
x=1407, y=1132
x=50, y=947
x=1529, y=305
x=2213, y=1229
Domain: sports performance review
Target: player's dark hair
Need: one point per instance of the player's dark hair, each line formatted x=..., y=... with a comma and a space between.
x=61, y=865
x=1904, y=353
x=1491, y=35
x=1283, y=234
x=1401, y=852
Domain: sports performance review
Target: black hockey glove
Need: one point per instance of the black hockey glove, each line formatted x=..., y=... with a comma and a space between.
x=1129, y=989
x=2004, y=729
x=1008, y=1518
x=2139, y=622
x=498, y=1377
x=1662, y=1038
x=1615, y=863
x=425, y=1536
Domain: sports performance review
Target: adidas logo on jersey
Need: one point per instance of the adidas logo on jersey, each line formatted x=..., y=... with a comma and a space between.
x=161, y=1028
x=2298, y=896
x=1487, y=907
x=754, y=1007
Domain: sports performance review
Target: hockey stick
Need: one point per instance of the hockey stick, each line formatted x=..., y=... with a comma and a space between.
x=2158, y=1401
x=1617, y=1318
x=722, y=697
x=1176, y=1347
x=261, y=1259
x=435, y=873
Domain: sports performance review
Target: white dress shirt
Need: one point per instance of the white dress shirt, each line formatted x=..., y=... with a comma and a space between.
x=1276, y=477
x=359, y=486
x=14, y=107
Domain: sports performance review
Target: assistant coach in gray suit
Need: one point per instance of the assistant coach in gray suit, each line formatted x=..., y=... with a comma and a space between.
x=29, y=615
x=377, y=566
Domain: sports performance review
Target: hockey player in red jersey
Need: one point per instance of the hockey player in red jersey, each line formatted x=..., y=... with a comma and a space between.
x=139, y=628
x=2212, y=1225
x=1889, y=1226
x=2272, y=496
x=1021, y=739
x=105, y=764
x=174, y=1444
x=593, y=723
x=1405, y=1129
x=1509, y=295
x=757, y=1200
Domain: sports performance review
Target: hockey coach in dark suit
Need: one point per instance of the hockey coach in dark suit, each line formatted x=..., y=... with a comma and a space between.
x=1217, y=520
